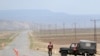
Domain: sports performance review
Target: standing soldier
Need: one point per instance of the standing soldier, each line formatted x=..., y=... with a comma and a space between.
x=50, y=47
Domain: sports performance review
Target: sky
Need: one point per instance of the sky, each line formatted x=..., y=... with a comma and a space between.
x=70, y=7
x=75, y=7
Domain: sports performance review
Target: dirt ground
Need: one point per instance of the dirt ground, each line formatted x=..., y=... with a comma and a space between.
x=62, y=40
x=6, y=37
x=42, y=46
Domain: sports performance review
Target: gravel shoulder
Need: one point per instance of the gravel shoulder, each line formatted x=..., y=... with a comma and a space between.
x=21, y=43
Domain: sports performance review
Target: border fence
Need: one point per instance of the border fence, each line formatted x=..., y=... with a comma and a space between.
x=74, y=34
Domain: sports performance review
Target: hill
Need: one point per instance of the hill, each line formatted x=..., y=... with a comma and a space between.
x=46, y=17
x=13, y=25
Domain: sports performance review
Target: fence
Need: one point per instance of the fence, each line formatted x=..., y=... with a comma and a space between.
x=63, y=34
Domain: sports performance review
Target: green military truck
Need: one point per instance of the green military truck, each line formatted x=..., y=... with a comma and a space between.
x=84, y=48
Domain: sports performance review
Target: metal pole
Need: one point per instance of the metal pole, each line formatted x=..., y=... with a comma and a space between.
x=95, y=35
x=56, y=29
x=49, y=28
x=75, y=31
x=40, y=29
x=64, y=28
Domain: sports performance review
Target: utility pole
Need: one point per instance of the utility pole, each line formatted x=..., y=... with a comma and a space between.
x=49, y=28
x=64, y=29
x=56, y=29
x=34, y=28
x=75, y=31
x=39, y=28
x=95, y=33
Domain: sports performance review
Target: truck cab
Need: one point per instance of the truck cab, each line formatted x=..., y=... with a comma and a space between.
x=84, y=48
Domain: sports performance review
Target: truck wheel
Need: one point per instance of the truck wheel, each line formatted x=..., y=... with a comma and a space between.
x=85, y=54
x=75, y=55
x=63, y=54
x=93, y=55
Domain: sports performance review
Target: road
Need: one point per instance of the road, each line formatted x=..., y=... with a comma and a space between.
x=21, y=43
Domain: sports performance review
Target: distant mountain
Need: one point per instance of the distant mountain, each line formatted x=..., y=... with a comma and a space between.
x=46, y=17
x=30, y=15
x=13, y=25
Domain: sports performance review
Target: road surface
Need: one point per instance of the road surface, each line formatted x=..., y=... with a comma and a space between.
x=21, y=43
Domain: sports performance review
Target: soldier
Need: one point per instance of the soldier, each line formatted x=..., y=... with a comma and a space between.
x=50, y=47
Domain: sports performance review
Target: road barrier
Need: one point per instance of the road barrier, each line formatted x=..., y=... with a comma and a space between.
x=16, y=52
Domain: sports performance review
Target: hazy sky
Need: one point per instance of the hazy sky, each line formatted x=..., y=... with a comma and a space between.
x=68, y=6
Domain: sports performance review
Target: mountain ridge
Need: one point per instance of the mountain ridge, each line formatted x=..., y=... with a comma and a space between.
x=13, y=25
x=46, y=17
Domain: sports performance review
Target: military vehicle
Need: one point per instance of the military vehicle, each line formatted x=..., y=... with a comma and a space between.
x=84, y=48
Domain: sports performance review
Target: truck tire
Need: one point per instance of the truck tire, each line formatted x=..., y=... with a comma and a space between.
x=85, y=54
x=92, y=55
x=75, y=55
x=64, y=55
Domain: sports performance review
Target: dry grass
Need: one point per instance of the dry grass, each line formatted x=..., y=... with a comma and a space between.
x=60, y=39
x=6, y=37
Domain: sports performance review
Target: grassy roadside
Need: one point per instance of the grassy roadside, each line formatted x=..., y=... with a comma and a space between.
x=36, y=44
x=7, y=39
x=10, y=38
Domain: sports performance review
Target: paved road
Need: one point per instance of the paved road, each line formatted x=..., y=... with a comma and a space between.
x=21, y=43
